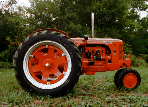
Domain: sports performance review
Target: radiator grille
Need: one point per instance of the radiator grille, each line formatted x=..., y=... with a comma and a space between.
x=120, y=51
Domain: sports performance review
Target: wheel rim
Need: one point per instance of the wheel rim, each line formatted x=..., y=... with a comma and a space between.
x=130, y=80
x=47, y=64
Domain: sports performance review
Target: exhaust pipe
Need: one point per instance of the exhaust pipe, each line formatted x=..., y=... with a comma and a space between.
x=92, y=20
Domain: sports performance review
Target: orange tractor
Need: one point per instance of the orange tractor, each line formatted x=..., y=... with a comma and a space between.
x=50, y=62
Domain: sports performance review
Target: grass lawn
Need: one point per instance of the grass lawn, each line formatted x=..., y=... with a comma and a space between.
x=96, y=90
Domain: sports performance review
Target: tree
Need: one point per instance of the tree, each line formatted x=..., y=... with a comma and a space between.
x=12, y=26
x=113, y=18
x=42, y=14
x=136, y=28
x=109, y=15
x=3, y=42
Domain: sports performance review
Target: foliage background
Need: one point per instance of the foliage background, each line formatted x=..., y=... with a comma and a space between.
x=113, y=18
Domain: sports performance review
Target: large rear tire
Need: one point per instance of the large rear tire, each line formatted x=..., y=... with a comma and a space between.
x=47, y=62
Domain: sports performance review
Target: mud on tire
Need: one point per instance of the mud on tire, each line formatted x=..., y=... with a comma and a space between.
x=47, y=62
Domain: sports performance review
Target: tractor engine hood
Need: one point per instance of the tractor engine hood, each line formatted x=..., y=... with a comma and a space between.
x=105, y=41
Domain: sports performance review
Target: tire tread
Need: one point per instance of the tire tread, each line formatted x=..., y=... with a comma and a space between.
x=57, y=37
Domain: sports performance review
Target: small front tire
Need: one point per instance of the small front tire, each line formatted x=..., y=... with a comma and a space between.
x=129, y=79
x=116, y=77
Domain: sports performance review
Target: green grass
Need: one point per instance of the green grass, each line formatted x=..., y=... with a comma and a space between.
x=96, y=90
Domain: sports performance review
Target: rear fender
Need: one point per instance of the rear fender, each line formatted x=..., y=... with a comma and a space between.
x=50, y=29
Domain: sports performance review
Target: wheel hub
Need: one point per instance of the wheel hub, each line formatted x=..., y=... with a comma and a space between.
x=130, y=80
x=47, y=63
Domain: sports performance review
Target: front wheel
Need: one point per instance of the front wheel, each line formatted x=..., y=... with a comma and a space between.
x=129, y=79
x=116, y=76
x=47, y=62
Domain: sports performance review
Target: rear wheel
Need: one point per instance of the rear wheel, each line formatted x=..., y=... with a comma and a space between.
x=129, y=79
x=47, y=62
